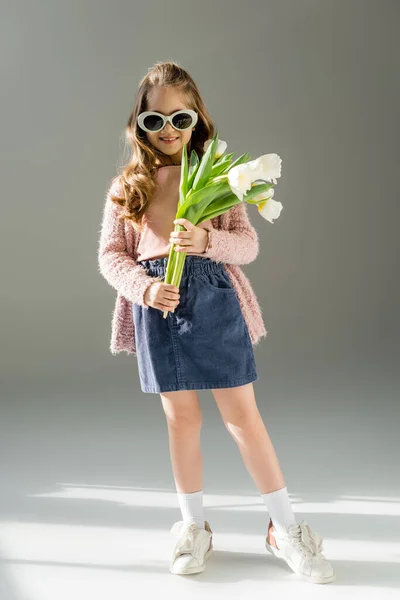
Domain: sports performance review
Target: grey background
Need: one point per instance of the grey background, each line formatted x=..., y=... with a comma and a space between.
x=315, y=81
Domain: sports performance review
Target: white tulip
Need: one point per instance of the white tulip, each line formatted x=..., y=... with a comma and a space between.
x=240, y=179
x=267, y=167
x=221, y=147
x=270, y=209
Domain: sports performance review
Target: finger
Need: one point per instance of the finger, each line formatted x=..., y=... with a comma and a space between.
x=185, y=222
x=183, y=247
x=162, y=308
x=183, y=243
x=165, y=305
x=172, y=295
x=180, y=235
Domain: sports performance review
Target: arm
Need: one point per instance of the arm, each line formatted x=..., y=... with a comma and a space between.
x=236, y=244
x=115, y=264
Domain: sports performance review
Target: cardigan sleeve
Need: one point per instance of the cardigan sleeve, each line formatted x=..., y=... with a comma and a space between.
x=116, y=265
x=237, y=242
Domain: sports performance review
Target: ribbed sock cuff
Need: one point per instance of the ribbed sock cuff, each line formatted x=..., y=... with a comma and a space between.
x=280, y=509
x=192, y=507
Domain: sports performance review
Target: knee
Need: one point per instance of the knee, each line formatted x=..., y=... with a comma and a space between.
x=242, y=421
x=184, y=422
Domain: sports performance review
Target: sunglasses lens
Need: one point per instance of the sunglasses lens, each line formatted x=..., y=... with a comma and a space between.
x=182, y=121
x=153, y=122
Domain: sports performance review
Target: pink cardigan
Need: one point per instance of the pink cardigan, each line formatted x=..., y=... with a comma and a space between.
x=234, y=242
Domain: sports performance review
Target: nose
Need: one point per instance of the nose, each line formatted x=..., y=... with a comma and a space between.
x=168, y=129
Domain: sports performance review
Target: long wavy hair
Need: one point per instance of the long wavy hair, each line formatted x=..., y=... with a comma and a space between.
x=136, y=181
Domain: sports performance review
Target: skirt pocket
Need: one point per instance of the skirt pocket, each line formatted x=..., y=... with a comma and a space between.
x=219, y=281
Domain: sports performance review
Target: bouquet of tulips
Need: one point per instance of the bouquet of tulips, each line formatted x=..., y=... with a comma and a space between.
x=210, y=187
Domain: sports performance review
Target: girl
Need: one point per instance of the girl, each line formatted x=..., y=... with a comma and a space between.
x=213, y=320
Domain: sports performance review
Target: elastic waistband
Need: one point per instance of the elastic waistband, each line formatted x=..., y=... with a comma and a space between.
x=193, y=265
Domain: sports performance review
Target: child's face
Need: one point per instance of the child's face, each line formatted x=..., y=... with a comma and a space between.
x=166, y=101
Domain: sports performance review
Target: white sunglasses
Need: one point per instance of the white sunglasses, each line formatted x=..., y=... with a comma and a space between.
x=154, y=121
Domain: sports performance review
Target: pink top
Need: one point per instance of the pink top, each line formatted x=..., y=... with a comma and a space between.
x=160, y=214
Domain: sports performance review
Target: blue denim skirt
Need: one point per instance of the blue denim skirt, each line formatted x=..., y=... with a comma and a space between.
x=204, y=343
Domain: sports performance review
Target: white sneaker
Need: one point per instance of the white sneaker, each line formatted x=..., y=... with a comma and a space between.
x=193, y=548
x=301, y=549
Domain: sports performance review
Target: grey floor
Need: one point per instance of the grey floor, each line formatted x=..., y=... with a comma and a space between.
x=88, y=498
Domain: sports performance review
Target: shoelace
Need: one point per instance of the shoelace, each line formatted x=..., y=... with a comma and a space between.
x=302, y=537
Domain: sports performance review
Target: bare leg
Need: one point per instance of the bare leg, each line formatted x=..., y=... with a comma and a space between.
x=242, y=419
x=184, y=421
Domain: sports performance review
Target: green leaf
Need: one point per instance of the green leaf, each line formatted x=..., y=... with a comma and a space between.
x=218, y=208
x=243, y=158
x=206, y=164
x=194, y=211
x=194, y=163
x=183, y=187
x=220, y=166
x=212, y=190
x=258, y=188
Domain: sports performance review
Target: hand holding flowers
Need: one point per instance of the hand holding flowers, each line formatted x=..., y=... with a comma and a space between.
x=193, y=240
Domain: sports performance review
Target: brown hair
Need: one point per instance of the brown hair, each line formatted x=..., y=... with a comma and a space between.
x=136, y=181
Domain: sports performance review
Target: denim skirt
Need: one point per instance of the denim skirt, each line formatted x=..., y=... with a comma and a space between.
x=204, y=343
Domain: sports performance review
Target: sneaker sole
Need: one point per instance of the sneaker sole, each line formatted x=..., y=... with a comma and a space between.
x=192, y=570
x=309, y=578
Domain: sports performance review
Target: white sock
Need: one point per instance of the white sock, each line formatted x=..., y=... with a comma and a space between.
x=279, y=508
x=192, y=508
